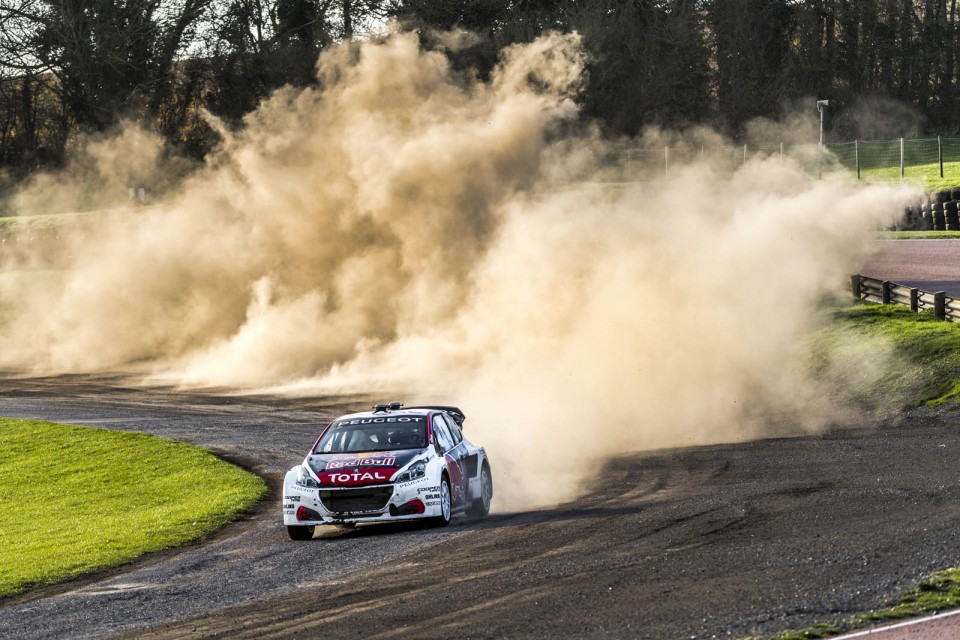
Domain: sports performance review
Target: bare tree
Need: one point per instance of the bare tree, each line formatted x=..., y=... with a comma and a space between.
x=106, y=57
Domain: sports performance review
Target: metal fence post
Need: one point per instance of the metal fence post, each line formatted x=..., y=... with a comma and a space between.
x=885, y=292
x=914, y=300
x=666, y=161
x=940, y=305
x=940, y=155
x=901, y=159
x=744, y=154
x=856, y=286
x=856, y=155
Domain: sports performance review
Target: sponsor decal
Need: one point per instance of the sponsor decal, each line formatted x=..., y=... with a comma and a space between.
x=432, y=503
x=432, y=496
x=300, y=489
x=288, y=506
x=356, y=477
x=362, y=460
x=427, y=489
x=362, y=456
x=400, y=419
x=292, y=498
x=456, y=479
x=288, y=512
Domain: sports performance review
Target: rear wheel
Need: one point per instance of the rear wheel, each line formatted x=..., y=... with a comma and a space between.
x=481, y=506
x=300, y=532
x=446, y=506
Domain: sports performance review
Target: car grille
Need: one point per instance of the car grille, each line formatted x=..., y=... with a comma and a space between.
x=359, y=500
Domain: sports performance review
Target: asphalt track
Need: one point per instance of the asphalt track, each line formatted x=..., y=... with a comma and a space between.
x=930, y=265
x=722, y=541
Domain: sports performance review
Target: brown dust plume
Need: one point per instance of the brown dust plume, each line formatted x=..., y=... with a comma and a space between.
x=412, y=230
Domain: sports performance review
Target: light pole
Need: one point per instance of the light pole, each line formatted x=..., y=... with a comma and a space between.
x=821, y=107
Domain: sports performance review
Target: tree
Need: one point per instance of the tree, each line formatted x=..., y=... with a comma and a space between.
x=649, y=63
x=107, y=58
x=751, y=42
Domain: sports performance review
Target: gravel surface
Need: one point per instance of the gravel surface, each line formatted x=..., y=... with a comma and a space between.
x=247, y=561
x=707, y=542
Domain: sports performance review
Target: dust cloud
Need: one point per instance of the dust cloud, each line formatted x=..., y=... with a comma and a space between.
x=424, y=234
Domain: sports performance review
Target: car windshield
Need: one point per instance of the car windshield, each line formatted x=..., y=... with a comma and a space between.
x=374, y=434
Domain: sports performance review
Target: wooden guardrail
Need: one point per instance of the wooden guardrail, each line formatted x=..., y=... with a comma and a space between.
x=886, y=292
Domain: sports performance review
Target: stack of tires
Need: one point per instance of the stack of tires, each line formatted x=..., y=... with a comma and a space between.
x=938, y=210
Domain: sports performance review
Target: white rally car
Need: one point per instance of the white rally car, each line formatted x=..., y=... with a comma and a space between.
x=385, y=465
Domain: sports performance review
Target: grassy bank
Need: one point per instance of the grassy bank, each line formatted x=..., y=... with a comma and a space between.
x=888, y=358
x=922, y=175
x=75, y=499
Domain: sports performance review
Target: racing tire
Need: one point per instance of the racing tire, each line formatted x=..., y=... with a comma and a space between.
x=481, y=506
x=300, y=532
x=446, y=504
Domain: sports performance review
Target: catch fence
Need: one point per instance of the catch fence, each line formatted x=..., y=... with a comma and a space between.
x=924, y=159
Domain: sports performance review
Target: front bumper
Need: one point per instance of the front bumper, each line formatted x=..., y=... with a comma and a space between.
x=370, y=503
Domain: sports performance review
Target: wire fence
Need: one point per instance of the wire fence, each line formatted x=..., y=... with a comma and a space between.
x=932, y=161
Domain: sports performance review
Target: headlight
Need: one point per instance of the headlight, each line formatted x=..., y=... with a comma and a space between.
x=416, y=470
x=304, y=479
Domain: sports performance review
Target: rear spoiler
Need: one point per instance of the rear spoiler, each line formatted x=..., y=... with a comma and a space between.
x=454, y=412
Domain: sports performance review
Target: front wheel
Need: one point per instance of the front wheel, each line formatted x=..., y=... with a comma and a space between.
x=481, y=506
x=446, y=506
x=299, y=532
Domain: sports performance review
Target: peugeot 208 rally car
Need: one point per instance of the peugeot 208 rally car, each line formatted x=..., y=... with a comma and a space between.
x=392, y=463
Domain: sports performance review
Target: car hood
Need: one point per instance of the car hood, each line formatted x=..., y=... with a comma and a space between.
x=352, y=469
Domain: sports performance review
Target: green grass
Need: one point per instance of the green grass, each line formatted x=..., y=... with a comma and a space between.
x=938, y=592
x=818, y=630
x=75, y=499
x=10, y=224
x=918, y=235
x=924, y=175
x=888, y=358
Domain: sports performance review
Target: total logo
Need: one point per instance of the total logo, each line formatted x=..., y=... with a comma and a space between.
x=358, y=477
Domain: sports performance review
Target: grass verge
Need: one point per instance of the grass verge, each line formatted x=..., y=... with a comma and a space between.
x=918, y=235
x=889, y=358
x=923, y=175
x=76, y=499
x=938, y=592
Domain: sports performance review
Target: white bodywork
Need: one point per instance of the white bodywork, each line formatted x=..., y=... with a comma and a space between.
x=432, y=481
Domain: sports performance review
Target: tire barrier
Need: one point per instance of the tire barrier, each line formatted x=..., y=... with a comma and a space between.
x=937, y=214
x=939, y=211
x=950, y=215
